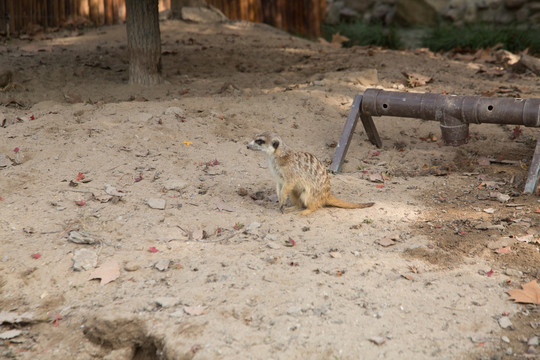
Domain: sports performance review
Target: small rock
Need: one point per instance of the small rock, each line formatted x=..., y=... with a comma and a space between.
x=533, y=341
x=175, y=110
x=242, y=191
x=513, y=272
x=504, y=322
x=499, y=196
x=6, y=76
x=509, y=351
x=270, y=237
x=294, y=311
x=111, y=190
x=156, y=203
x=253, y=228
x=84, y=259
x=273, y=246
x=81, y=237
x=131, y=267
x=10, y=334
x=175, y=185
x=505, y=339
x=489, y=210
x=531, y=350
x=166, y=302
x=378, y=340
x=4, y=161
x=335, y=254
x=162, y=265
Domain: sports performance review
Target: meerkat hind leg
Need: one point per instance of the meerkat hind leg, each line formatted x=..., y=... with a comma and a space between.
x=286, y=190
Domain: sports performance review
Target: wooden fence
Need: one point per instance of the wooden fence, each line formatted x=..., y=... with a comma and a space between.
x=302, y=17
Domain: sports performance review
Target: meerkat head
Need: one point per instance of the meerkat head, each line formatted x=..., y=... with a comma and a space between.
x=267, y=142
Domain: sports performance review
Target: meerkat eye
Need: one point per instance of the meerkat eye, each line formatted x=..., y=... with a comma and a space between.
x=275, y=144
x=259, y=141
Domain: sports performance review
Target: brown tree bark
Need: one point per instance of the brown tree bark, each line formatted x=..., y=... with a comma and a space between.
x=143, y=41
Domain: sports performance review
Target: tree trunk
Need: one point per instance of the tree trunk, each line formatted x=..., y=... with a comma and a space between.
x=143, y=41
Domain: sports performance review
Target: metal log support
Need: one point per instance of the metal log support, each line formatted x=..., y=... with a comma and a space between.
x=454, y=113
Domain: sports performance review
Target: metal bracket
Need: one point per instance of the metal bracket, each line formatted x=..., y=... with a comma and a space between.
x=453, y=112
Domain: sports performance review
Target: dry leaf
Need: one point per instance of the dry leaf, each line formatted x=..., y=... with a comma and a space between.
x=503, y=250
x=408, y=277
x=414, y=79
x=195, y=310
x=338, y=40
x=107, y=272
x=529, y=295
x=335, y=254
x=387, y=241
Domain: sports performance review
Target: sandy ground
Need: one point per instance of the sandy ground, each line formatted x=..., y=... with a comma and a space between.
x=213, y=275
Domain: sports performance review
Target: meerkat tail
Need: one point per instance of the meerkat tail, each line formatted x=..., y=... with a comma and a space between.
x=334, y=201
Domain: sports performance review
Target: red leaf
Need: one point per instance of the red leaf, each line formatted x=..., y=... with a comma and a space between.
x=80, y=203
x=536, y=211
x=80, y=176
x=36, y=255
x=290, y=242
x=380, y=186
x=32, y=117
x=16, y=150
x=152, y=249
x=489, y=273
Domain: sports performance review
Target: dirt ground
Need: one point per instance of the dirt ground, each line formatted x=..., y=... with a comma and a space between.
x=158, y=183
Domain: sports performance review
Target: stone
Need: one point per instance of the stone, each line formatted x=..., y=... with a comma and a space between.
x=504, y=322
x=81, y=237
x=533, y=341
x=175, y=185
x=158, y=204
x=162, y=265
x=84, y=259
x=368, y=77
x=6, y=76
x=175, y=110
x=4, y=161
x=294, y=311
x=253, y=228
x=202, y=14
x=10, y=334
x=131, y=267
x=166, y=302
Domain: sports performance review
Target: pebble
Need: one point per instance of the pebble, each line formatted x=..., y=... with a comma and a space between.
x=175, y=110
x=273, y=246
x=253, y=228
x=4, y=161
x=270, y=237
x=533, y=341
x=156, y=203
x=81, y=237
x=294, y=311
x=378, y=340
x=505, y=339
x=131, y=267
x=10, y=334
x=175, y=185
x=162, y=265
x=166, y=302
x=504, y=322
x=84, y=259
x=513, y=272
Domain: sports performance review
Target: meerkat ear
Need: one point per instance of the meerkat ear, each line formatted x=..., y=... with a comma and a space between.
x=275, y=144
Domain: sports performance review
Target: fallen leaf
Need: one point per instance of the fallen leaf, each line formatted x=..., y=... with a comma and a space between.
x=529, y=295
x=107, y=272
x=80, y=176
x=338, y=39
x=290, y=242
x=80, y=203
x=415, y=79
x=187, y=143
x=504, y=250
x=195, y=310
x=489, y=273
x=386, y=242
x=408, y=277
x=36, y=255
x=380, y=186
x=153, y=249
x=335, y=254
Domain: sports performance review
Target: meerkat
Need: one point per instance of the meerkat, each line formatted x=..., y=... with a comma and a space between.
x=298, y=175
